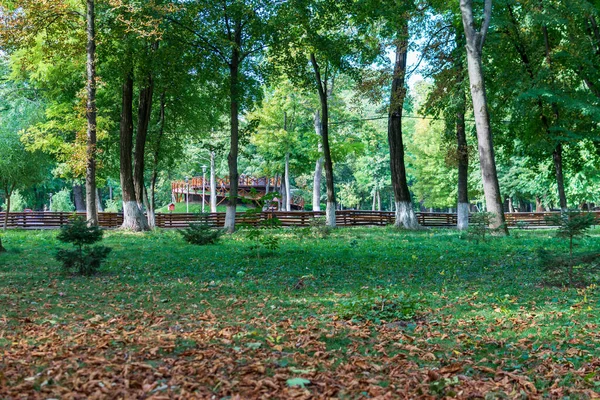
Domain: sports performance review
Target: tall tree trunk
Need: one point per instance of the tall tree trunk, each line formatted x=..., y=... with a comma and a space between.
x=213, y=184
x=557, y=153
x=156, y=158
x=78, y=198
x=462, y=148
x=323, y=97
x=475, y=40
x=143, y=121
x=463, y=165
x=8, y=195
x=133, y=217
x=99, y=200
x=374, y=199
x=560, y=180
x=405, y=215
x=90, y=172
x=318, y=175
x=288, y=190
x=232, y=158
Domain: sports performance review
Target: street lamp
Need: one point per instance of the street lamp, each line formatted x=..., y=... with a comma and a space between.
x=187, y=195
x=203, y=186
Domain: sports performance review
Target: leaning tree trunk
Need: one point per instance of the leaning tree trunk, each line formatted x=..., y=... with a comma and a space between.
x=232, y=158
x=323, y=97
x=405, y=214
x=90, y=172
x=475, y=40
x=133, y=218
x=316, y=203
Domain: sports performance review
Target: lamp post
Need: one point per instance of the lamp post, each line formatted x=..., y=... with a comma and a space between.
x=187, y=195
x=203, y=186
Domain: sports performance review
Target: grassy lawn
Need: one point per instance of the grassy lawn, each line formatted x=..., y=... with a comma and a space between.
x=164, y=319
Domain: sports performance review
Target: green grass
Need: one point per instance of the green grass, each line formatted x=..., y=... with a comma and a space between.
x=196, y=208
x=482, y=306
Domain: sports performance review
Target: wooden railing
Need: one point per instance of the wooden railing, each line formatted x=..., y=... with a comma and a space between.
x=49, y=220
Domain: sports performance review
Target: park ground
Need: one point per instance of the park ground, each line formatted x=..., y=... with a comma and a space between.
x=363, y=313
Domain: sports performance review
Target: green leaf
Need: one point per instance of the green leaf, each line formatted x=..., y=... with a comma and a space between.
x=301, y=382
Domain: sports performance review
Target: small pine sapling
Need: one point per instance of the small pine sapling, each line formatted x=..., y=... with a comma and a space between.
x=2, y=249
x=84, y=259
x=571, y=225
x=479, y=226
x=201, y=234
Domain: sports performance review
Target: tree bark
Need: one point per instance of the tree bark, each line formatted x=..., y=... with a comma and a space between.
x=143, y=121
x=318, y=175
x=99, y=200
x=475, y=40
x=232, y=158
x=78, y=198
x=323, y=97
x=7, y=194
x=405, y=215
x=463, y=164
x=133, y=217
x=560, y=180
x=213, y=184
x=90, y=173
x=288, y=191
x=156, y=158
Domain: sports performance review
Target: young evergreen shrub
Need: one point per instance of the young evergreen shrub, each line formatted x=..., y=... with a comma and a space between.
x=571, y=225
x=84, y=259
x=319, y=229
x=201, y=234
x=479, y=226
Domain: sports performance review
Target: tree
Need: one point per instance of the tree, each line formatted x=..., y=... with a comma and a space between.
x=475, y=40
x=405, y=214
x=90, y=175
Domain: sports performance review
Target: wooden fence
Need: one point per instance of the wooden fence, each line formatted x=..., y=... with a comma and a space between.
x=49, y=220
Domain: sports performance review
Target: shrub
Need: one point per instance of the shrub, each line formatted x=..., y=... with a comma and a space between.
x=571, y=224
x=201, y=234
x=61, y=201
x=479, y=226
x=319, y=228
x=378, y=305
x=17, y=202
x=112, y=206
x=84, y=259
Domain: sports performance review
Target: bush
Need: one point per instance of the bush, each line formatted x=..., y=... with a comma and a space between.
x=378, y=305
x=112, y=206
x=17, y=202
x=571, y=224
x=61, y=201
x=84, y=259
x=201, y=234
x=479, y=226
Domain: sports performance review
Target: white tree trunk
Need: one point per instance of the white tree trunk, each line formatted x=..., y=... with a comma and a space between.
x=288, y=190
x=405, y=215
x=330, y=214
x=230, y=218
x=213, y=184
x=133, y=217
x=462, y=216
